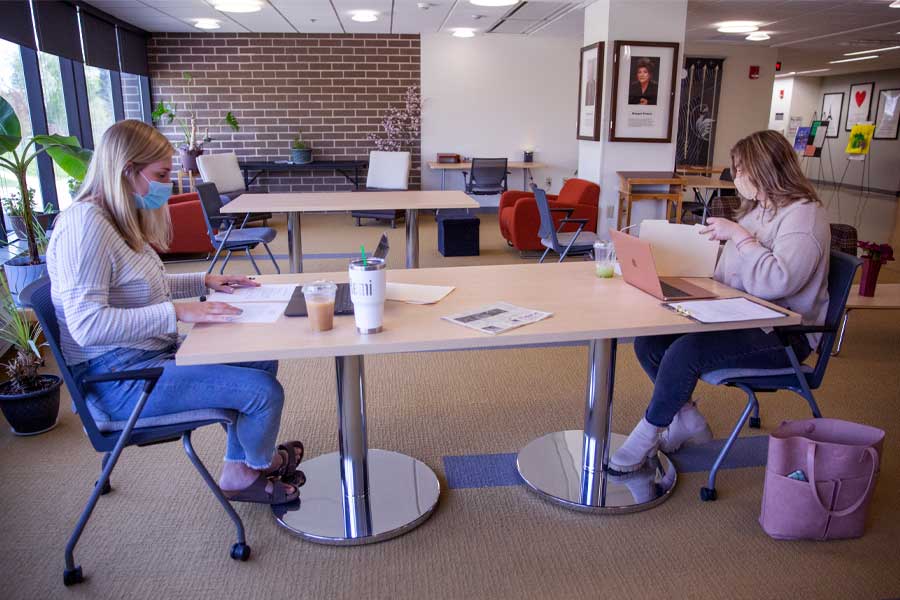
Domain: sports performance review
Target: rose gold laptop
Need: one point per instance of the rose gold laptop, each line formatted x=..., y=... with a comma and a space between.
x=639, y=270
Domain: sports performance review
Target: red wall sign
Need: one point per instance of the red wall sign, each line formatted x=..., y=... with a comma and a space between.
x=754, y=71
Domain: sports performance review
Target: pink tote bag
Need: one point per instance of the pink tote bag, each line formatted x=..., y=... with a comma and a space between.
x=839, y=461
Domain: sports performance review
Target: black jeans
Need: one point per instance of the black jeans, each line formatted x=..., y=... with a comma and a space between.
x=676, y=362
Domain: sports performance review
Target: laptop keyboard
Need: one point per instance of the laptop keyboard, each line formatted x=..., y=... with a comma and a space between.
x=670, y=291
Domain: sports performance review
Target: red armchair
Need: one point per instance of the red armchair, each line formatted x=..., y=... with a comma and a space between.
x=520, y=221
x=189, y=235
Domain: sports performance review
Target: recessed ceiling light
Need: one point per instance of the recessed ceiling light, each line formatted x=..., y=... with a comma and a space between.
x=737, y=26
x=812, y=71
x=895, y=4
x=493, y=2
x=871, y=51
x=207, y=24
x=758, y=36
x=834, y=62
x=364, y=16
x=463, y=32
x=238, y=6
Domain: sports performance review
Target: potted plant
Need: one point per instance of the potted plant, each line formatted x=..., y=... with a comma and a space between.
x=186, y=119
x=301, y=153
x=29, y=400
x=874, y=255
x=15, y=211
x=66, y=153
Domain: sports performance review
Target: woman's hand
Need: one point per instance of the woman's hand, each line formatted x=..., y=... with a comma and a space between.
x=724, y=230
x=227, y=283
x=206, y=312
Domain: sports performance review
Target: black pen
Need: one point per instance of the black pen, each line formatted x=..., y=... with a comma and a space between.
x=202, y=298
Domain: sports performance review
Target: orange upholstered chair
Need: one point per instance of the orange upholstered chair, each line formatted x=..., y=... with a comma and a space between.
x=520, y=221
x=189, y=234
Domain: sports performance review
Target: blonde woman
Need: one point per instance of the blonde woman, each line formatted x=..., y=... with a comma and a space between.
x=114, y=303
x=777, y=250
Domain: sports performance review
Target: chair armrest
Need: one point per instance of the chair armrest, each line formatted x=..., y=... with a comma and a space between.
x=509, y=198
x=562, y=223
x=138, y=375
x=567, y=220
x=567, y=210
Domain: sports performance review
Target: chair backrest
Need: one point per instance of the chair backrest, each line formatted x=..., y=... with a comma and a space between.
x=388, y=170
x=222, y=170
x=547, y=229
x=727, y=176
x=579, y=191
x=488, y=172
x=211, y=203
x=841, y=271
x=37, y=296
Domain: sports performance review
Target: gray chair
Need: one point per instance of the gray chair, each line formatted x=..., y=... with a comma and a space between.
x=487, y=177
x=800, y=379
x=552, y=237
x=232, y=240
x=111, y=437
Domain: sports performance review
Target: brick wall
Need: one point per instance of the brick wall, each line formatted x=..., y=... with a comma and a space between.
x=332, y=89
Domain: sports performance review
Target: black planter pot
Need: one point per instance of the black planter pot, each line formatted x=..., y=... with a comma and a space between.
x=33, y=412
x=189, y=159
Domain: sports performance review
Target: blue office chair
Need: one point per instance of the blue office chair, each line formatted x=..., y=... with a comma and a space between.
x=552, y=238
x=232, y=240
x=111, y=437
x=800, y=379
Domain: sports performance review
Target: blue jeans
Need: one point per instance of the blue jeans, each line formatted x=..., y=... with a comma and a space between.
x=250, y=388
x=676, y=362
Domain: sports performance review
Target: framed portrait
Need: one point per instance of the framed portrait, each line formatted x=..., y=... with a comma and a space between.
x=859, y=106
x=643, y=102
x=590, y=87
x=887, y=115
x=832, y=105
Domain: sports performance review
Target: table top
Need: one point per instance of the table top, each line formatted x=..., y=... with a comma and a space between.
x=584, y=307
x=702, y=181
x=325, y=201
x=887, y=296
x=649, y=177
x=271, y=165
x=465, y=166
x=698, y=169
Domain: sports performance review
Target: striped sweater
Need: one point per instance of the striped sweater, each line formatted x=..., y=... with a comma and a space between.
x=106, y=295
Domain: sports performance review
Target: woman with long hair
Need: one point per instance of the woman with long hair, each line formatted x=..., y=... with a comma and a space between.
x=778, y=250
x=114, y=303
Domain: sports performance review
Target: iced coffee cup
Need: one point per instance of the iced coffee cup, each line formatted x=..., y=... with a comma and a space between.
x=367, y=289
x=319, y=296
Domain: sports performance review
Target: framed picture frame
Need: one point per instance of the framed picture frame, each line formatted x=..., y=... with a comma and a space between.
x=590, y=92
x=859, y=104
x=643, y=102
x=832, y=107
x=887, y=115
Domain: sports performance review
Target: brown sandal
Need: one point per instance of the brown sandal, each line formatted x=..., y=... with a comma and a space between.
x=291, y=454
x=256, y=492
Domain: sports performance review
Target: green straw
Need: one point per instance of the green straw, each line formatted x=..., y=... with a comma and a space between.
x=362, y=249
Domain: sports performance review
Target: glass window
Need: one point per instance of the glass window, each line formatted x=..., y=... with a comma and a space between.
x=131, y=94
x=12, y=88
x=100, y=100
x=55, y=106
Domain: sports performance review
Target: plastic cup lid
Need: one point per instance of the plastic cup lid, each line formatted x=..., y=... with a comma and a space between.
x=320, y=287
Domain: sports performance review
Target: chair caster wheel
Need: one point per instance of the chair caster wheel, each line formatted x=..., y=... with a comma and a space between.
x=240, y=551
x=707, y=494
x=755, y=422
x=73, y=576
x=107, y=488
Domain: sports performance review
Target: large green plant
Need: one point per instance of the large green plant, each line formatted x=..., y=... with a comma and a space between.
x=23, y=334
x=186, y=120
x=65, y=151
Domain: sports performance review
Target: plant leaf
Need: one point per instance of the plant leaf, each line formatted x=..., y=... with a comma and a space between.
x=67, y=153
x=187, y=76
x=10, y=128
x=232, y=121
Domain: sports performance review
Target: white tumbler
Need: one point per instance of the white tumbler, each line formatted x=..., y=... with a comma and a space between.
x=367, y=290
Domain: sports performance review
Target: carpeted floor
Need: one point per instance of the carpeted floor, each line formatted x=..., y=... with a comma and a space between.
x=160, y=534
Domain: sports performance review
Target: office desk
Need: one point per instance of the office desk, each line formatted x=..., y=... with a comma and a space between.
x=566, y=467
x=467, y=166
x=344, y=167
x=629, y=181
x=296, y=203
x=704, y=187
x=698, y=170
x=887, y=297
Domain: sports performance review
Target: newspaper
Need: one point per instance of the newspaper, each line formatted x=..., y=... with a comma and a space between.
x=497, y=318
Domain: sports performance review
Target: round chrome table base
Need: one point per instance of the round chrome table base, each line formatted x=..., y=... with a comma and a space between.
x=403, y=492
x=552, y=466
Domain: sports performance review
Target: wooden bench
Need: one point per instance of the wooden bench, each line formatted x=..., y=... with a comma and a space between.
x=887, y=297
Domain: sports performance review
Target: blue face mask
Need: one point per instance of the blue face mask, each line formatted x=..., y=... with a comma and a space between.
x=156, y=196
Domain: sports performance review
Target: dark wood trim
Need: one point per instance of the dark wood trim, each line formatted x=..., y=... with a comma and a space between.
x=877, y=111
x=35, y=93
x=115, y=83
x=146, y=105
x=840, y=112
x=84, y=110
x=598, y=100
x=675, y=46
x=871, y=85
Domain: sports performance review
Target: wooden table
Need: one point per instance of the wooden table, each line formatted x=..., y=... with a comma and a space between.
x=629, y=180
x=704, y=187
x=295, y=204
x=344, y=167
x=698, y=170
x=467, y=166
x=887, y=297
x=344, y=501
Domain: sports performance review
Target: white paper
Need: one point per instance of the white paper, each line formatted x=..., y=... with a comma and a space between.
x=680, y=250
x=277, y=292
x=412, y=293
x=497, y=317
x=726, y=310
x=259, y=312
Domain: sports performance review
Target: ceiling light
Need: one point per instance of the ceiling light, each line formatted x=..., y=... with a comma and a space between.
x=206, y=23
x=812, y=71
x=758, y=36
x=785, y=74
x=871, y=51
x=493, y=2
x=737, y=26
x=238, y=6
x=364, y=16
x=834, y=62
x=895, y=4
x=463, y=32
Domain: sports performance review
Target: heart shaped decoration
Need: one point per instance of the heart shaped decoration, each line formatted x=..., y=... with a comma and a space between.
x=860, y=98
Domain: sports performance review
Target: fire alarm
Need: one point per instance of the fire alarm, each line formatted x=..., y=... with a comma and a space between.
x=754, y=71
x=777, y=66
x=781, y=94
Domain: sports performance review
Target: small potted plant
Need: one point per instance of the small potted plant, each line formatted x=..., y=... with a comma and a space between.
x=29, y=399
x=15, y=211
x=874, y=255
x=186, y=120
x=301, y=153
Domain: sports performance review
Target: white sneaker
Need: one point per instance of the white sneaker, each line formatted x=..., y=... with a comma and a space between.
x=641, y=443
x=688, y=428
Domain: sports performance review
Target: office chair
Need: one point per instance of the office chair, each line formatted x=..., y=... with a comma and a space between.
x=488, y=177
x=224, y=170
x=387, y=171
x=552, y=238
x=800, y=379
x=244, y=238
x=111, y=437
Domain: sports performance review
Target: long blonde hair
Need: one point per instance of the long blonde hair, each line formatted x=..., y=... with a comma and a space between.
x=133, y=144
x=772, y=167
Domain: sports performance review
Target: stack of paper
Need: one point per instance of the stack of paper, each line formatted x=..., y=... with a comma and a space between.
x=680, y=250
x=263, y=304
x=412, y=293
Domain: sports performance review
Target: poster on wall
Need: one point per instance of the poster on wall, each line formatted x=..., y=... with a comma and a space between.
x=832, y=105
x=590, y=86
x=860, y=140
x=859, y=108
x=887, y=115
x=643, y=102
x=698, y=110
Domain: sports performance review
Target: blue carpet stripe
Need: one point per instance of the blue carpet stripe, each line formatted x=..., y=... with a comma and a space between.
x=499, y=470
